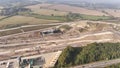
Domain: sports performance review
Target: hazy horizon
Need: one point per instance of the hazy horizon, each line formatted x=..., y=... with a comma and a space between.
x=95, y=1
x=91, y=1
x=106, y=1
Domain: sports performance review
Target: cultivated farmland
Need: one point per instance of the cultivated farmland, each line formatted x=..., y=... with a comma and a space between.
x=24, y=21
x=2, y=17
x=112, y=12
x=49, y=12
x=73, y=9
x=38, y=6
x=39, y=9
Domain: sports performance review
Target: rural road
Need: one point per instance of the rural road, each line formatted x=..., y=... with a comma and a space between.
x=31, y=26
x=100, y=64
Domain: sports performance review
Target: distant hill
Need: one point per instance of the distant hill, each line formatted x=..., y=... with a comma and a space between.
x=11, y=3
x=89, y=3
x=83, y=3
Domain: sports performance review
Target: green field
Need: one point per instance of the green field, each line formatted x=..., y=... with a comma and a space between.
x=60, y=18
x=95, y=18
x=74, y=16
x=46, y=17
x=33, y=19
x=69, y=17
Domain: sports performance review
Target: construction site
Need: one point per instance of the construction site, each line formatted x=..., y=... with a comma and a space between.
x=41, y=48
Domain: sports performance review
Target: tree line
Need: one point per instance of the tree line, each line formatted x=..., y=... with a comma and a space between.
x=91, y=53
x=12, y=11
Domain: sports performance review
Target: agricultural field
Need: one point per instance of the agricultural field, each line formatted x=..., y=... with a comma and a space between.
x=59, y=9
x=113, y=12
x=2, y=17
x=8, y=32
x=62, y=12
x=38, y=6
x=50, y=12
x=68, y=17
x=39, y=9
x=67, y=8
x=47, y=17
x=24, y=21
x=95, y=18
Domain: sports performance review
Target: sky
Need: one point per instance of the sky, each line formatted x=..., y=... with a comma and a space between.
x=105, y=1
x=95, y=1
